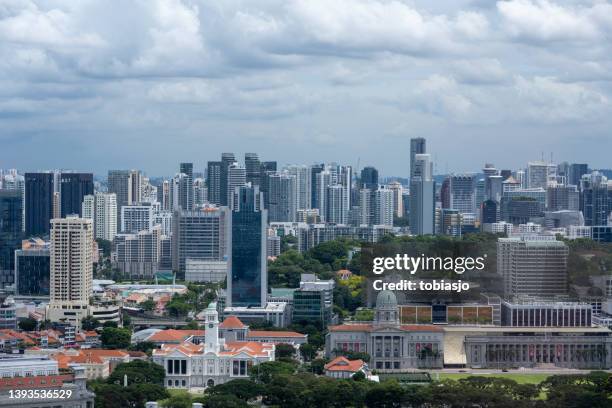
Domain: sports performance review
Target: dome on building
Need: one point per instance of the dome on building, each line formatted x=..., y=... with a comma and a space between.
x=386, y=299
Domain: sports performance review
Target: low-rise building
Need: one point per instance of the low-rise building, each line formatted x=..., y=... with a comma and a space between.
x=342, y=367
x=214, y=361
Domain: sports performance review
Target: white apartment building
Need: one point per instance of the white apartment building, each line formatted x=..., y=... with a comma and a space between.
x=102, y=209
x=71, y=269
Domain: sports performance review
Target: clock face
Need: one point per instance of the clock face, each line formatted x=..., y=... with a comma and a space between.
x=210, y=326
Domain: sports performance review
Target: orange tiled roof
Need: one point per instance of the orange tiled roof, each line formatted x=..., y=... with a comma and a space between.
x=232, y=322
x=344, y=364
x=173, y=335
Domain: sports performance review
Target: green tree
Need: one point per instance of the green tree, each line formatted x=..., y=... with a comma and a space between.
x=105, y=246
x=138, y=372
x=27, y=324
x=284, y=351
x=178, y=400
x=115, y=338
x=110, y=323
x=224, y=401
x=241, y=388
x=148, y=305
x=90, y=323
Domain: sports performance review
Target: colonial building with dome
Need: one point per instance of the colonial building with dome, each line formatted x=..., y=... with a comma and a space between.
x=392, y=346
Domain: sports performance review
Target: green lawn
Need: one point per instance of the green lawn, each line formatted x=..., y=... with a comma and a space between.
x=518, y=377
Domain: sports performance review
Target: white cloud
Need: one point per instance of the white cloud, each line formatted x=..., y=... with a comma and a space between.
x=542, y=20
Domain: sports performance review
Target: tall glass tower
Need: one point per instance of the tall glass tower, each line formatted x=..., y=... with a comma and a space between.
x=247, y=283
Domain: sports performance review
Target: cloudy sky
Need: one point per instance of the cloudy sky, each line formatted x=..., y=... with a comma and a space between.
x=92, y=85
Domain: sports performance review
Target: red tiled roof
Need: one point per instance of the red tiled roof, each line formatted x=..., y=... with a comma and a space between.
x=344, y=364
x=232, y=322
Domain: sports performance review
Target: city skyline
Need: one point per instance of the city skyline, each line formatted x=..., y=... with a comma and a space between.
x=339, y=80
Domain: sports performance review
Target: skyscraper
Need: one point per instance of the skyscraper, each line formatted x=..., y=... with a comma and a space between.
x=595, y=198
x=462, y=193
x=200, y=234
x=253, y=168
x=398, y=198
x=71, y=269
x=383, y=207
x=227, y=159
x=576, y=171
x=182, y=192
x=187, y=170
x=102, y=209
x=126, y=185
x=314, y=188
x=562, y=197
x=422, y=196
x=236, y=177
x=33, y=269
x=213, y=181
x=247, y=282
x=282, y=206
x=369, y=178
x=302, y=184
x=336, y=210
x=537, y=174
x=38, y=203
x=10, y=232
x=418, y=145
x=73, y=187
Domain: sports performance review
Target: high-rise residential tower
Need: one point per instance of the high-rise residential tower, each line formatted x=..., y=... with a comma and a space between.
x=71, y=269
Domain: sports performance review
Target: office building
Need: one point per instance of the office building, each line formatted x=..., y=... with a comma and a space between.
x=126, y=186
x=449, y=222
x=595, y=198
x=213, y=182
x=253, y=168
x=11, y=213
x=73, y=187
x=187, y=196
x=226, y=193
x=200, y=192
x=282, y=196
x=247, y=281
x=562, y=197
x=576, y=171
x=236, y=177
x=71, y=269
x=422, y=196
x=520, y=210
x=201, y=235
x=537, y=174
x=203, y=271
x=313, y=302
x=462, y=193
x=417, y=146
x=136, y=218
x=369, y=178
x=102, y=209
x=38, y=203
x=33, y=269
x=532, y=266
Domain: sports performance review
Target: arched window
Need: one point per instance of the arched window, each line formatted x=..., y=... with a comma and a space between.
x=210, y=383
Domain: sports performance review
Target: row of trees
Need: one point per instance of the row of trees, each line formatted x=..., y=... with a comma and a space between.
x=280, y=384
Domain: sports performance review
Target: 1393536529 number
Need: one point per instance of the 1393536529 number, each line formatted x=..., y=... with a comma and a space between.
x=40, y=394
